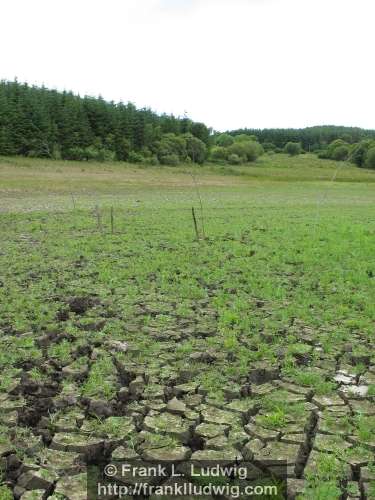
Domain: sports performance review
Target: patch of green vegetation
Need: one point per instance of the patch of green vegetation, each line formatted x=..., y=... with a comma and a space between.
x=274, y=420
x=279, y=408
x=161, y=441
x=101, y=381
x=37, y=376
x=214, y=383
x=5, y=493
x=309, y=378
x=299, y=348
x=323, y=483
x=365, y=427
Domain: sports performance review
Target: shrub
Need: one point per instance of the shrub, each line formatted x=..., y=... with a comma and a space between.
x=134, y=157
x=90, y=153
x=246, y=150
x=171, y=145
x=359, y=153
x=123, y=148
x=152, y=160
x=75, y=154
x=5, y=493
x=370, y=158
x=224, y=140
x=340, y=153
x=336, y=144
x=195, y=149
x=171, y=160
x=269, y=146
x=218, y=153
x=324, y=155
x=293, y=148
x=245, y=138
x=104, y=154
x=234, y=159
x=338, y=150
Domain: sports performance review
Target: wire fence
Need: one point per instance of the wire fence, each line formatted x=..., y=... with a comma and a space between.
x=199, y=216
x=113, y=218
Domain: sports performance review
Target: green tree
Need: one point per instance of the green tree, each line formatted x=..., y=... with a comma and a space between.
x=224, y=140
x=341, y=153
x=195, y=148
x=359, y=152
x=169, y=148
x=370, y=158
x=234, y=159
x=170, y=159
x=245, y=138
x=269, y=146
x=218, y=153
x=246, y=150
x=200, y=131
x=293, y=148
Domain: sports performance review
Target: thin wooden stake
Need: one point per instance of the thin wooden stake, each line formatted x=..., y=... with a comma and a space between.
x=195, y=223
x=200, y=203
x=98, y=218
x=73, y=200
x=112, y=221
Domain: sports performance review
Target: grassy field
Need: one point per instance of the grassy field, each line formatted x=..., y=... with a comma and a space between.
x=137, y=338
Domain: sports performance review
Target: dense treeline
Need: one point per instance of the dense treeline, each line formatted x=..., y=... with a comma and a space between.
x=361, y=153
x=40, y=122
x=235, y=150
x=329, y=142
x=47, y=123
x=311, y=138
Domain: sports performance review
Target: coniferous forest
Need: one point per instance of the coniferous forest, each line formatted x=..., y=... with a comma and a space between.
x=47, y=123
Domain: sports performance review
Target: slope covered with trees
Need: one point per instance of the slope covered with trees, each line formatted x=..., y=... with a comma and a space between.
x=41, y=122
x=311, y=138
x=36, y=121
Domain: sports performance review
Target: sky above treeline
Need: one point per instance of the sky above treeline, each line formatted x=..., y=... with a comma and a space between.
x=228, y=63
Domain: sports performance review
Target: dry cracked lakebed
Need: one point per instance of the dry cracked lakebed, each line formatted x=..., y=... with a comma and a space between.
x=52, y=430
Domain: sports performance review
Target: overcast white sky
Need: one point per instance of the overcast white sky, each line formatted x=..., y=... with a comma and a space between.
x=228, y=63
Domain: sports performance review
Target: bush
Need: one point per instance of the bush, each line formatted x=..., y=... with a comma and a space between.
x=338, y=150
x=234, y=159
x=370, y=158
x=218, y=153
x=171, y=160
x=246, y=150
x=336, y=144
x=269, y=146
x=134, y=157
x=195, y=149
x=323, y=155
x=90, y=153
x=359, y=153
x=101, y=154
x=340, y=153
x=245, y=138
x=293, y=148
x=152, y=160
x=171, y=145
x=5, y=493
x=122, y=148
x=75, y=154
x=224, y=140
